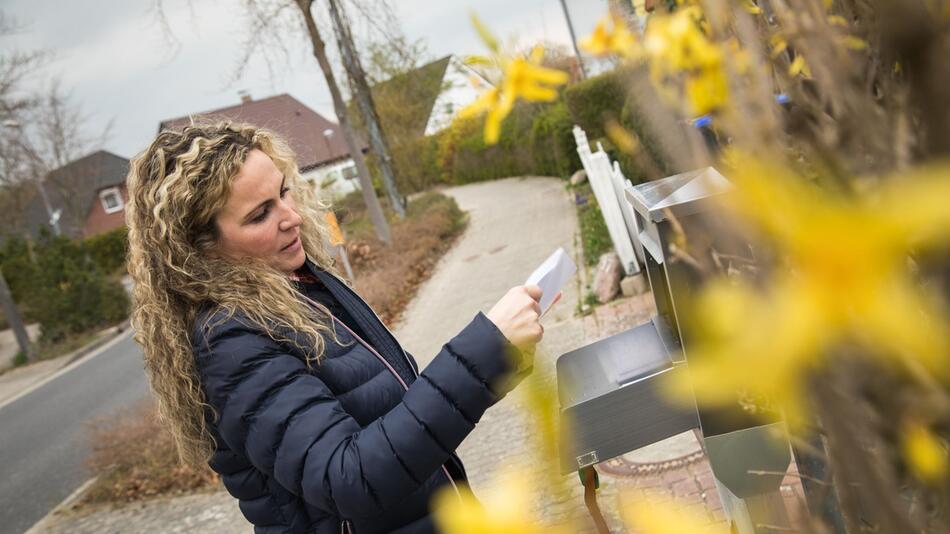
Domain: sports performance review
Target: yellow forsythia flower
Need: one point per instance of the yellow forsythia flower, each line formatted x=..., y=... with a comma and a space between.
x=846, y=281
x=506, y=509
x=612, y=36
x=678, y=51
x=925, y=453
x=677, y=46
x=751, y=7
x=657, y=515
x=799, y=66
x=522, y=78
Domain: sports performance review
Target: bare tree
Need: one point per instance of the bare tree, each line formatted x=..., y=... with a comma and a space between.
x=364, y=102
x=356, y=151
x=16, y=103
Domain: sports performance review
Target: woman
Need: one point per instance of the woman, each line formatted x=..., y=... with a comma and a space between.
x=274, y=371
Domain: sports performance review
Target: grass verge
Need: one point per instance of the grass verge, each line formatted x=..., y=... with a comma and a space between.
x=595, y=238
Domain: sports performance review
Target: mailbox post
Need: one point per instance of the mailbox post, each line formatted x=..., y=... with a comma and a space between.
x=610, y=390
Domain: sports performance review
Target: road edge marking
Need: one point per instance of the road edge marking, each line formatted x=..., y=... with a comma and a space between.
x=40, y=525
x=65, y=369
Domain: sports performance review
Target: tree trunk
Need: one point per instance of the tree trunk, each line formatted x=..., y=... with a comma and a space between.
x=364, y=99
x=356, y=151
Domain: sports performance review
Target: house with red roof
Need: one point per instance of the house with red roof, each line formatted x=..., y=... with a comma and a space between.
x=83, y=198
x=322, y=155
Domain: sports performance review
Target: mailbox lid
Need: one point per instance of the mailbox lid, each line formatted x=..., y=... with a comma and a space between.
x=680, y=193
x=611, y=363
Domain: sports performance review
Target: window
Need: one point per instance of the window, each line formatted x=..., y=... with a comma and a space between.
x=111, y=200
x=349, y=172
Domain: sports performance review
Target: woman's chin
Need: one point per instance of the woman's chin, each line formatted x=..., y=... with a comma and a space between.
x=290, y=262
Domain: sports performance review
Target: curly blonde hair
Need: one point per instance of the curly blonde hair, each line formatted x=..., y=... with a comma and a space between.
x=176, y=188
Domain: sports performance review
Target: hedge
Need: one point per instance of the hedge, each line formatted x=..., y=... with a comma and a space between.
x=56, y=283
x=594, y=100
x=108, y=251
x=535, y=139
x=552, y=141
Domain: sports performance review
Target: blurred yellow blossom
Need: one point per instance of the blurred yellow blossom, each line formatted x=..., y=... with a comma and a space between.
x=837, y=20
x=505, y=509
x=799, y=67
x=612, y=36
x=678, y=51
x=925, y=453
x=657, y=515
x=751, y=7
x=845, y=281
x=522, y=77
x=677, y=46
x=621, y=137
x=778, y=44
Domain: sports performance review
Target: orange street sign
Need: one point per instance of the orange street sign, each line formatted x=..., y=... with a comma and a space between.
x=336, y=235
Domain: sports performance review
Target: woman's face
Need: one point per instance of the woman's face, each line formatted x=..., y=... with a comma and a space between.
x=259, y=219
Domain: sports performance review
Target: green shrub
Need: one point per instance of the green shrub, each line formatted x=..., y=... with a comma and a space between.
x=596, y=99
x=470, y=160
x=18, y=270
x=109, y=250
x=552, y=141
x=69, y=294
x=536, y=139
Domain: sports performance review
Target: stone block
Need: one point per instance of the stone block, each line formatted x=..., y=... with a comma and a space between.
x=579, y=177
x=635, y=284
x=607, y=278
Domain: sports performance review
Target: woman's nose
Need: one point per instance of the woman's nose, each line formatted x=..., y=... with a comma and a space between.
x=290, y=220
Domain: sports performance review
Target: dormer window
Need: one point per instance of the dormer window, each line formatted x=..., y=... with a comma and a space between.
x=111, y=200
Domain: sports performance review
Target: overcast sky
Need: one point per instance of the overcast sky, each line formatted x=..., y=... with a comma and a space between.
x=114, y=58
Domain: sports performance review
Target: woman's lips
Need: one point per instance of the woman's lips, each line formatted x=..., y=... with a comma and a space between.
x=293, y=246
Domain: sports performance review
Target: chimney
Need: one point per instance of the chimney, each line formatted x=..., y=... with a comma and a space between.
x=245, y=96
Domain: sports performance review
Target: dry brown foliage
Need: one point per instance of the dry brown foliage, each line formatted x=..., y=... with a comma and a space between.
x=134, y=457
x=388, y=277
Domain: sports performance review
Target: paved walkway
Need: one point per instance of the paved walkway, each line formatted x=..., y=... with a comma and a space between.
x=514, y=225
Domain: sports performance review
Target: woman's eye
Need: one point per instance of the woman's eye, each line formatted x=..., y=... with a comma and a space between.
x=259, y=218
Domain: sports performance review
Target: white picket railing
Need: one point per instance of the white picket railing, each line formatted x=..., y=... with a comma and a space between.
x=608, y=183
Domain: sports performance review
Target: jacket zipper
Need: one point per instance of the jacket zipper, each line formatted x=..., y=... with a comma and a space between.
x=391, y=370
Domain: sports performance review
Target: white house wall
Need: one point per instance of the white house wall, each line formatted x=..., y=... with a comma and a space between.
x=339, y=187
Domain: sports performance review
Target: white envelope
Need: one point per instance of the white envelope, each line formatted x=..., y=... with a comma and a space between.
x=551, y=276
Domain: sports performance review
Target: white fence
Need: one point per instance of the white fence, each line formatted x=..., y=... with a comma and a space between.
x=608, y=184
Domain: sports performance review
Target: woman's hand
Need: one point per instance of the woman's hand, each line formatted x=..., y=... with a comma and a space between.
x=518, y=316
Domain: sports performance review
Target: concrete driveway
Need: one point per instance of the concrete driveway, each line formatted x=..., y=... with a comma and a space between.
x=514, y=224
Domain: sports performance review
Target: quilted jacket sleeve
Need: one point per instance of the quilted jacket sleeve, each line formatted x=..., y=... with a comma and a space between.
x=290, y=426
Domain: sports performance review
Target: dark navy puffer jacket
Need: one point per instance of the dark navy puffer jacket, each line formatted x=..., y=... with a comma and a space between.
x=358, y=443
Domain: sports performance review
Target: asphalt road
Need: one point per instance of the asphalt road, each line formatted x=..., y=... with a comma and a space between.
x=44, y=435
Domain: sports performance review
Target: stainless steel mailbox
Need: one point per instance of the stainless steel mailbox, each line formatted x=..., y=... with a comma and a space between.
x=610, y=390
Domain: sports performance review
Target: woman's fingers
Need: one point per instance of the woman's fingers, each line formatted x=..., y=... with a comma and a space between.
x=533, y=292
